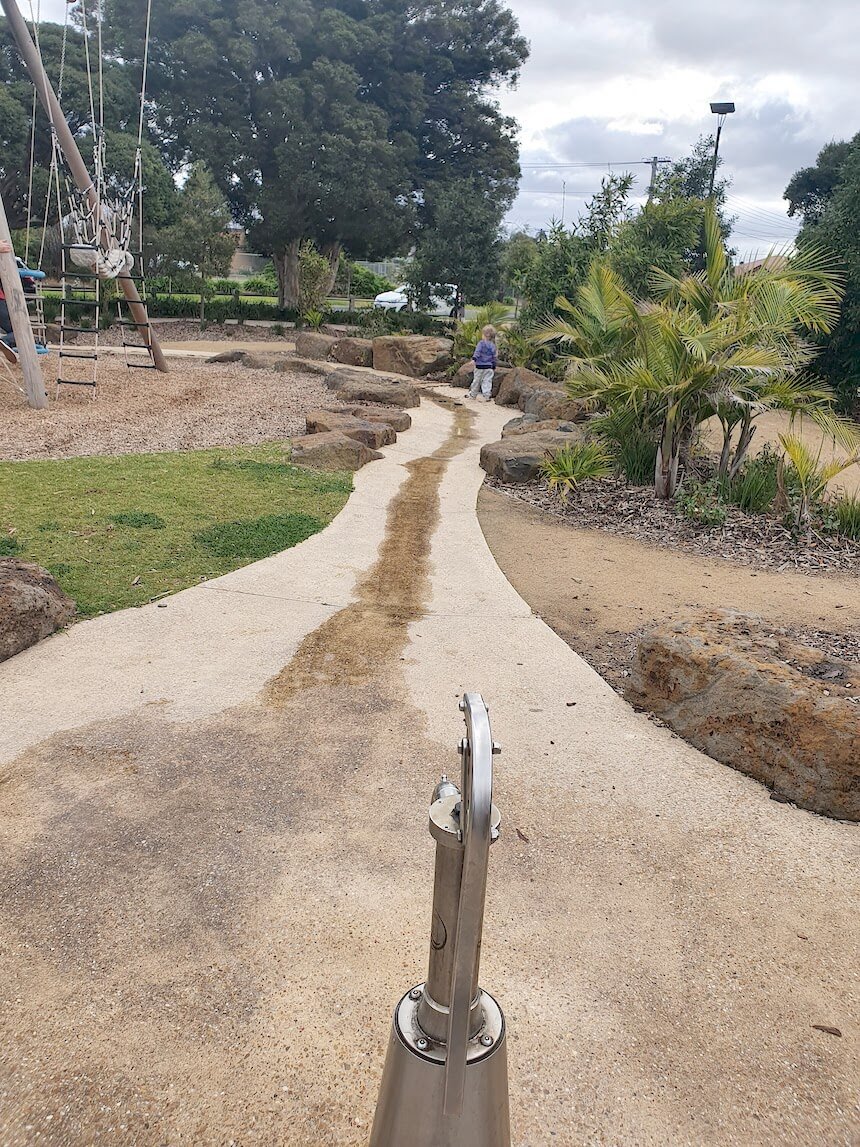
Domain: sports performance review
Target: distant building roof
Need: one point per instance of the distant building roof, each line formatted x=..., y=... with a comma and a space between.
x=775, y=262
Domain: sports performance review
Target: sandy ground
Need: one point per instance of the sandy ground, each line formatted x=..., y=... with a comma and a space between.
x=217, y=871
x=598, y=590
x=194, y=406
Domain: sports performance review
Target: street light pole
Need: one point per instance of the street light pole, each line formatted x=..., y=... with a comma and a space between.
x=720, y=110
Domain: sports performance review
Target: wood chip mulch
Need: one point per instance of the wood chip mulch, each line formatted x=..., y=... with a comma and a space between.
x=758, y=541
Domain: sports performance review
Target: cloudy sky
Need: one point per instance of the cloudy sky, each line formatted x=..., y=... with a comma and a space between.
x=621, y=81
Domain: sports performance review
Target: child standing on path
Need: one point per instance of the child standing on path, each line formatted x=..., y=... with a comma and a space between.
x=485, y=364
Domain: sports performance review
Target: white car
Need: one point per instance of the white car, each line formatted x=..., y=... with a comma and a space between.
x=441, y=302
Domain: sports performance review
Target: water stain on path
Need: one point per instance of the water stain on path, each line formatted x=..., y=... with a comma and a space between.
x=349, y=647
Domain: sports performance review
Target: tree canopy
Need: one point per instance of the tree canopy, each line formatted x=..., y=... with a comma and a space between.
x=827, y=195
x=331, y=120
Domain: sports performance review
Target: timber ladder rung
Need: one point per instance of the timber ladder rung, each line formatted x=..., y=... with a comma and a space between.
x=79, y=361
x=135, y=352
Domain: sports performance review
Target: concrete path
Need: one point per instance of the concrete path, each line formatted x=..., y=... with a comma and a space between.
x=217, y=872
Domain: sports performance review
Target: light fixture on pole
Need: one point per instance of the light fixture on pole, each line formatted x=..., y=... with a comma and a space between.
x=720, y=110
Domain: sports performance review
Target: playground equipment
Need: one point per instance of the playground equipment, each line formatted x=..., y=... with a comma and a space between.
x=445, y=1081
x=101, y=229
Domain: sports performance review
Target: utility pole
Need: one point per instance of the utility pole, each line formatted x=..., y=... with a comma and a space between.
x=80, y=174
x=656, y=160
x=22, y=328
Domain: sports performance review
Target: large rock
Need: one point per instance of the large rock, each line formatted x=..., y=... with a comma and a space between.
x=529, y=424
x=392, y=416
x=518, y=459
x=413, y=355
x=353, y=351
x=331, y=451
x=289, y=364
x=352, y=386
x=552, y=401
x=372, y=434
x=755, y=700
x=517, y=382
x=314, y=345
x=32, y=606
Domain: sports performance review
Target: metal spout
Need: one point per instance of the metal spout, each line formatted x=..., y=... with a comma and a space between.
x=445, y=1079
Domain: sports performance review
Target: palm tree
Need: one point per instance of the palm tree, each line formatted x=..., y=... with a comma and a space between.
x=781, y=299
x=678, y=365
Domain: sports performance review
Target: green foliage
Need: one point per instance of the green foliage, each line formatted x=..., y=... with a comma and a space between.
x=373, y=322
x=828, y=196
x=632, y=441
x=359, y=281
x=328, y=121
x=811, y=476
x=846, y=512
x=574, y=464
x=518, y=258
x=754, y=488
x=9, y=545
x=664, y=235
x=260, y=285
x=467, y=332
x=122, y=87
x=314, y=281
x=100, y=541
x=702, y=503
x=460, y=240
x=199, y=239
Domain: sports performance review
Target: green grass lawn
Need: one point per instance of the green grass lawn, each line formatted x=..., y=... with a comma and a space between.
x=120, y=531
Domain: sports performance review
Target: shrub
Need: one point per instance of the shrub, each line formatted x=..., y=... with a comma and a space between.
x=755, y=487
x=363, y=283
x=631, y=442
x=261, y=285
x=846, y=515
x=378, y=322
x=702, y=503
x=579, y=462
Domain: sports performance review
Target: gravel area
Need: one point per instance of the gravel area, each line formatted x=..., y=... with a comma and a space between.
x=140, y=411
x=754, y=541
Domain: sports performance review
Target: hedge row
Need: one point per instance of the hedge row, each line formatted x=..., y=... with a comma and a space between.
x=219, y=310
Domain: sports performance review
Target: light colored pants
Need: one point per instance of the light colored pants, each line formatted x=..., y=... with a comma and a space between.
x=482, y=381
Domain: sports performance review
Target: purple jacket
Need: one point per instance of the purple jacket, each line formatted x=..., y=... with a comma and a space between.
x=485, y=355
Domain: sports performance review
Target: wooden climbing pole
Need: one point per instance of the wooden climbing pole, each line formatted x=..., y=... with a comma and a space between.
x=25, y=352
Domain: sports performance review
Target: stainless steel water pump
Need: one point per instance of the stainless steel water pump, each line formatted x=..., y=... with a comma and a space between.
x=445, y=1082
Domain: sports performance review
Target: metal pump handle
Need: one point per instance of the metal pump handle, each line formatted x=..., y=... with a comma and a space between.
x=476, y=788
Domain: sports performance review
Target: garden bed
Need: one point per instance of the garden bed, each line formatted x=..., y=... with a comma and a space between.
x=758, y=541
x=601, y=588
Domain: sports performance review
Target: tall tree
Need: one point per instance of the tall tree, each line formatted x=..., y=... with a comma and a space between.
x=828, y=197
x=199, y=240
x=460, y=242
x=16, y=109
x=330, y=120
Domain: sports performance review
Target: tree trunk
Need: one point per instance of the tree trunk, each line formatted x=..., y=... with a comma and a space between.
x=287, y=268
x=747, y=432
x=666, y=469
x=725, y=453
x=332, y=253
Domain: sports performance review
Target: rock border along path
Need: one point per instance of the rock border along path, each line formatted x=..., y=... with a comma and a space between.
x=218, y=873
